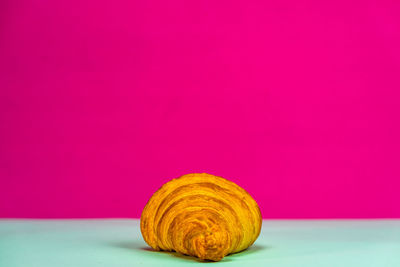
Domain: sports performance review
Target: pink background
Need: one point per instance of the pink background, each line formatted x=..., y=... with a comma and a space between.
x=103, y=101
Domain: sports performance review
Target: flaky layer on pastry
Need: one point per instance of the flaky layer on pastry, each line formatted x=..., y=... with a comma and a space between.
x=201, y=215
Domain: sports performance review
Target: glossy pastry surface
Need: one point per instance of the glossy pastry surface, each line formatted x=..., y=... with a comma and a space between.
x=201, y=215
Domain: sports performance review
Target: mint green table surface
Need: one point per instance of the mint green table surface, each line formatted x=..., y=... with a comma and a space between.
x=112, y=243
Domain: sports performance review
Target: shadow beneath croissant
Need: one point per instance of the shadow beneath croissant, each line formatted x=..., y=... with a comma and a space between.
x=231, y=257
x=181, y=256
x=251, y=250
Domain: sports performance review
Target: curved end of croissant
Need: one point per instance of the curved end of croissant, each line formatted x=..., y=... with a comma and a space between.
x=209, y=246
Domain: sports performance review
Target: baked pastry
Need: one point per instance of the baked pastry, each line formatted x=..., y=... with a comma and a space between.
x=201, y=215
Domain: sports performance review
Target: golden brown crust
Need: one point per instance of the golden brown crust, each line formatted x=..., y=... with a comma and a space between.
x=201, y=215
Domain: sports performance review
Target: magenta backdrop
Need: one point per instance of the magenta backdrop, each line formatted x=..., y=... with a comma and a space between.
x=101, y=102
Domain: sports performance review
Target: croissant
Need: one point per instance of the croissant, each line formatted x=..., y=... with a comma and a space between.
x=201, y=215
